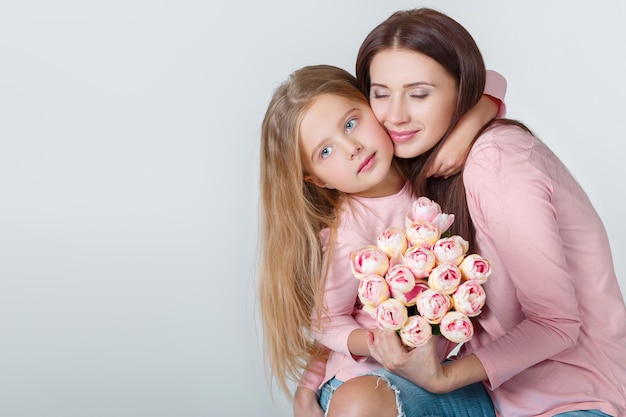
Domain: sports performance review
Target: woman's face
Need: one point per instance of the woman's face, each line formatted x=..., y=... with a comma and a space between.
x=413, y=97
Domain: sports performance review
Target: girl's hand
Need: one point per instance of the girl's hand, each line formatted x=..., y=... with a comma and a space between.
x=450, y=159
x=305, y=403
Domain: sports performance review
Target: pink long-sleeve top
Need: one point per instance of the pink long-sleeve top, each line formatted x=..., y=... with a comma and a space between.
x=360, y=222
x=341, y=290
x=553, y=336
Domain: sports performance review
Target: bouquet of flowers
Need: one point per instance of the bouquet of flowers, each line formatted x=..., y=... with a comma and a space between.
x=419, y=280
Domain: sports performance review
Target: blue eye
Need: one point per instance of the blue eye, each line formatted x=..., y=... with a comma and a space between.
x=325, y=153
x=351, y=124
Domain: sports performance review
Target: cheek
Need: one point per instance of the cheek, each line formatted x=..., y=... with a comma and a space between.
x=446, y=111
x=384, y=142
x=380, y=110
x=440, y=119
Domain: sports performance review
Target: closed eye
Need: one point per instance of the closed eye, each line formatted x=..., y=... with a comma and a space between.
x=378, y=96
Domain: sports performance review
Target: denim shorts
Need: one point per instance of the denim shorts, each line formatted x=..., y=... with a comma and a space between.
x=327, y=391
x=413, y=401
x=583, y=413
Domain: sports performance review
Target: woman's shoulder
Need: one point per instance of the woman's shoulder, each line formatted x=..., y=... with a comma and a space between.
x=502, y=139
x=502, y=148
x=505, y=132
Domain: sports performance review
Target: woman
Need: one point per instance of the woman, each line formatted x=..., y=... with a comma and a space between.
x=553, y=336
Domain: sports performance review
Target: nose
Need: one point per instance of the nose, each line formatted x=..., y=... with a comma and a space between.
x=354, y=147
x=396, y=112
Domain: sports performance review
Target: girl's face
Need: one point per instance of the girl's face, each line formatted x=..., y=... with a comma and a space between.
x=414, y=97
x=343, y=146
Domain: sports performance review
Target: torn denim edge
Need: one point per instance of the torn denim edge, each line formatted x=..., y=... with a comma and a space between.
x=331, y=392
x=395, y=390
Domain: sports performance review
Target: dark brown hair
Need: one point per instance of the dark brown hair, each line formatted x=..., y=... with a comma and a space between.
x=443, y=39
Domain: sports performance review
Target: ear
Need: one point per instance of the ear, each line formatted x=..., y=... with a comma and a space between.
x=317, y=181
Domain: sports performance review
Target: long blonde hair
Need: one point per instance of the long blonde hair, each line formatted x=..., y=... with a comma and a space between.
x=293, y=213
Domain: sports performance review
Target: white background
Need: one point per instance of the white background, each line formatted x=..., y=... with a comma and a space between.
x=129, y=136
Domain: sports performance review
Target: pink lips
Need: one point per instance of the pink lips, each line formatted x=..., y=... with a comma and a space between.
x=401, y=137
x=368, y=163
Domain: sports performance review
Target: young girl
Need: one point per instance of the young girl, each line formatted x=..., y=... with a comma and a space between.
x=328, y=186
x=552, y=340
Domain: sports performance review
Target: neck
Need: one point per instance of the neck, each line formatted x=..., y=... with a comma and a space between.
x=393, y=183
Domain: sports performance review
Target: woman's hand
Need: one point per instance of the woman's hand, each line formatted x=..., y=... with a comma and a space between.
x=305, y=403
x=420, y=365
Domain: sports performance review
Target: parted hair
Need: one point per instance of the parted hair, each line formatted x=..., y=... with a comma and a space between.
x=293, y=212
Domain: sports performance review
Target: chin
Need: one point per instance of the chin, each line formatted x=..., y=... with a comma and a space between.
x=406, y=152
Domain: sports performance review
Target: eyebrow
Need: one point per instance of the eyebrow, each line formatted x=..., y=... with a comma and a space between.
x=409, y=85
x=316, y=149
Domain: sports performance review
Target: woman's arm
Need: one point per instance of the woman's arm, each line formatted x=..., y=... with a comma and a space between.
x=516, y=190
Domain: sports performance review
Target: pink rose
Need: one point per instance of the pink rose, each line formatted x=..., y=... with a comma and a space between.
x=433, y=305
x=426, y=209
x=416, y=331
x=475, y=268
x=450, y=250
x=469, y=298
x=457, y=327
x=373, y=290
x=391, y=314
x=400, y=278
x=369, y=260
x=419, y=260
x=409, y=298
x=422, y=233
x=392, y=241
x=445, y=278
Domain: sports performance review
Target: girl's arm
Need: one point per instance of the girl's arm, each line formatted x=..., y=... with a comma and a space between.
x=335, y=327
x=305, y=400
x=357, y=342
x=451, y=157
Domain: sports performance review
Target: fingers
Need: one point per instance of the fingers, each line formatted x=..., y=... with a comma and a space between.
x=440, y=169
x=387, y=349
x=444, y=168
x=434, y=170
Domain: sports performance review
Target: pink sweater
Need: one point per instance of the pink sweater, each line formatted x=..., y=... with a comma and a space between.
x=361, y=222
x=553, y=336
